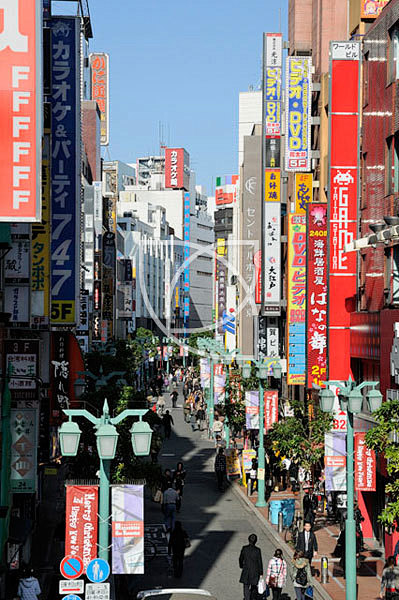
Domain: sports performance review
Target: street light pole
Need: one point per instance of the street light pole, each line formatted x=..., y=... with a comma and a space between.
x=227, y=402
x=261, y=502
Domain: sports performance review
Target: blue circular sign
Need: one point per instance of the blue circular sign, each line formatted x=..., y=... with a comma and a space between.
x=71, y=567
x=72, y=597
x=98, y=570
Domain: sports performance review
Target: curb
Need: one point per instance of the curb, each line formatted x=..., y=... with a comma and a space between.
x=321, y=593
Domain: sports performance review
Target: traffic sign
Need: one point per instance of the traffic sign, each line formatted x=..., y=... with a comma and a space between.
x=98, y=591
x=71, y=586
x=98, y=570
x=72, y=597
x=71, y=567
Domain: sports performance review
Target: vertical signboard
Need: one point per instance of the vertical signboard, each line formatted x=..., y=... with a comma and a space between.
x=221, y=276
x=59, y=373
x=272, y=262
x=303, y=192
x=65, y=169
x=127, y=529
x=21, y=109
x=316, y=336
x=22, y=359
x=186, y=257
x=271, y=408
x=177, y=166
x=296, y=310
x=343, y=200
x=81, y=522
x=99, y=62
x=298, y=113
x=365, y=465
x=23, y=455
x=16, y=276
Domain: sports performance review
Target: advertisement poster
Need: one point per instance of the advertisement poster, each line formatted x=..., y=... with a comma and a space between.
x=81, y=522
x=247, y=457
x=205, y=372
x=370, y=9
x=296, y=313
x=298, y=113
x=271, y=408
x=303, y=192
x=335, y=461
x=219, y=383
x=252, y=410
x=316, y=326
x=365, y=465
x=233, y=462
x=23, y=454
x=127, y=529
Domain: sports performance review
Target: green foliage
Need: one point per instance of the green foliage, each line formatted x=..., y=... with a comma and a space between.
x=301, y=438
x=193, y=338
x=382, y=439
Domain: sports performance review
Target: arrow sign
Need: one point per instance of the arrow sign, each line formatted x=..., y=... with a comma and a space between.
x=71, y=567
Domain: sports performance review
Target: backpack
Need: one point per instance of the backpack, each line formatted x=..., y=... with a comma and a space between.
x=301, y=577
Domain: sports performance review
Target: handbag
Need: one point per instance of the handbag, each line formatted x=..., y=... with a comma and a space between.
x=187, y=543
x=309, y=592
x=261, y=585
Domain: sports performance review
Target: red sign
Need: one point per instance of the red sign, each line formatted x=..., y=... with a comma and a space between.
x=258, y=276
x=174, y=168
x=365, y=465
x=100, y=91
x=316, y=331
x=218, y=369
x=271, y=408
x=81, y=522
x=71, y=567
x=343, y=200
x=21, y=109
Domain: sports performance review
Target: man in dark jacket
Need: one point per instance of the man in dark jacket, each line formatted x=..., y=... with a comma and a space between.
x=250, y=562
x=307, y=542
x=310, y=503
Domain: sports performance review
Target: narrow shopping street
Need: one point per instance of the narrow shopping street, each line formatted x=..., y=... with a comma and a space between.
x=218, y=523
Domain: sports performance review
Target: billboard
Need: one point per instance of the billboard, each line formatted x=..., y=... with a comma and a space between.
x=273, y=58
x=316, y=325
x=186, y=257
x=23, y=452
x=370, y=9
x=226, y=190
x=21, y=109
x=81, y=522
x=22, y=359
x=65, y=169
x=343, y=193
x=177, y=168
x=99, y=62
x=365, y=465
x=296, y=310
x=303, y=192
x=127, y=529
x=298, y=113
x=221, y=277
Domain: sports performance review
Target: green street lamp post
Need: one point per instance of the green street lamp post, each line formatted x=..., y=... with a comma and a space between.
x=107, y=439
x=262, y=375
x=351, y=401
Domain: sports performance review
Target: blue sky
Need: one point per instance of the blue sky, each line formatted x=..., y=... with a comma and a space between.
x=181, y=63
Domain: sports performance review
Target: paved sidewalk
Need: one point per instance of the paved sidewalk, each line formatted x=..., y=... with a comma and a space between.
x=371, y=560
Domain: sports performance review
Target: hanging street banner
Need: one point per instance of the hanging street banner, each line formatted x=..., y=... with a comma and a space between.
x=365, y=465
x=335, y=461
x=81, y=522
x=298, y=113
x=219, y=383
x=65, y=169
x=271, y=408
x=343, y=193
x=205, y=373
x=99, y=62
x=23, y=455
x=21, y=109
x=303, y=192
x=127, y=529
x=296, y=310
x=316, y=325
x=252, y=410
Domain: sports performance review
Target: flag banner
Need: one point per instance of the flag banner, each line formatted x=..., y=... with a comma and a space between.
x=252, y=410
x=127, y=529
x=81, y=522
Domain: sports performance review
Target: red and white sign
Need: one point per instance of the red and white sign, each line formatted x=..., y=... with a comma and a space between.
x=365, y=465
x=71, y=567
x=100, y=90
x=343, y=200
x=21, y=109
x=174, y=168
x=127, y=529
x=258, y=276
x=71, y=586
x=335, y=461
x=81, y=522
x=271, y=408
x=316, y=335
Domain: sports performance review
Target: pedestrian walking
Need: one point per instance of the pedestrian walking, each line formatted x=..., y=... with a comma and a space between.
x=220, y=468
x=167, y=422
x=178, y=542
x=301, y=575
x=160, y=406
x=200, y=416
x=29, y=587
x=169, y=505
x=217, y=430
x=390, y=580
x=253, y=476
x=179, y=477
x=310, y=504
x=187, y=411
x=174, y=396
x=307, y=542
x=250, y=562
x=276, y=574
x=166, y=479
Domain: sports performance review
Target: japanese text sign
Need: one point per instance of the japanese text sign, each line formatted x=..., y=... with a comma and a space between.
x=66, y=156
x=271, y=408
x=272, y=262
x=24, y=440
x=298, y=113
x=176, y=159
x=273, y=101
x=100, y=90
x=365, y=465
x=81, y=522
x=21, y=109
x=272, y=185
x=186, y=257
x=316, y=294
x=296, y=312
x=303, y=192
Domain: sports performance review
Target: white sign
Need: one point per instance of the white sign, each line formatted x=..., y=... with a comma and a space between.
x=71, y=586
x=345, y=50
x=97, y=591
x=274, y=49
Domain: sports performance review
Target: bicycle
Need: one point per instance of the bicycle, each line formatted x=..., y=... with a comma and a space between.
x=291, y=532
x=150, y=549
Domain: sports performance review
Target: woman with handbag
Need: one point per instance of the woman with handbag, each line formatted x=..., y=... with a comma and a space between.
x=390, y=580
x=178, y=542
x=276, y=575
x=302, y=576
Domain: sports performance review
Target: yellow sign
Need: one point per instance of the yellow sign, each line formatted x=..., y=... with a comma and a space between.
x=272, y=185
x=41, y=249
x=233, y=463
x=303, y=192
x=221, y=246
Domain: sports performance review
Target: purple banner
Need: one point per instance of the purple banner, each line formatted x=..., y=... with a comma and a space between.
x=335, y=461
x=127, y=530
x=252, y=410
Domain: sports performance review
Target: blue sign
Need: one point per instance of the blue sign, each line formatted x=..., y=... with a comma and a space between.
x=229, y=322
x=98, y=570
x=72, y=597
x=299, y=99
x=65, y=168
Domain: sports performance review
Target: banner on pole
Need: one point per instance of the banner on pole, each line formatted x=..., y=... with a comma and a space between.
x=365, y=465
x=271, y=408
x=81, y=522
x=252, y=410
x=127, y=530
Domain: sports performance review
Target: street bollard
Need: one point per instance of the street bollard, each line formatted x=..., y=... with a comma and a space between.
x=299, y=521
x=324, y=569
x=280, y=522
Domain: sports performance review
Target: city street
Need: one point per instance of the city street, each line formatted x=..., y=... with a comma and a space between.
x=218, y=524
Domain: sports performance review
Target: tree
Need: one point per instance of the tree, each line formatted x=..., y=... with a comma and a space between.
x=383, y=439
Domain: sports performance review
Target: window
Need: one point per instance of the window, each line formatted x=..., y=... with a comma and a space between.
x=203, y=274
x=393, y=63
x=389, y=166
x=205, y=258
